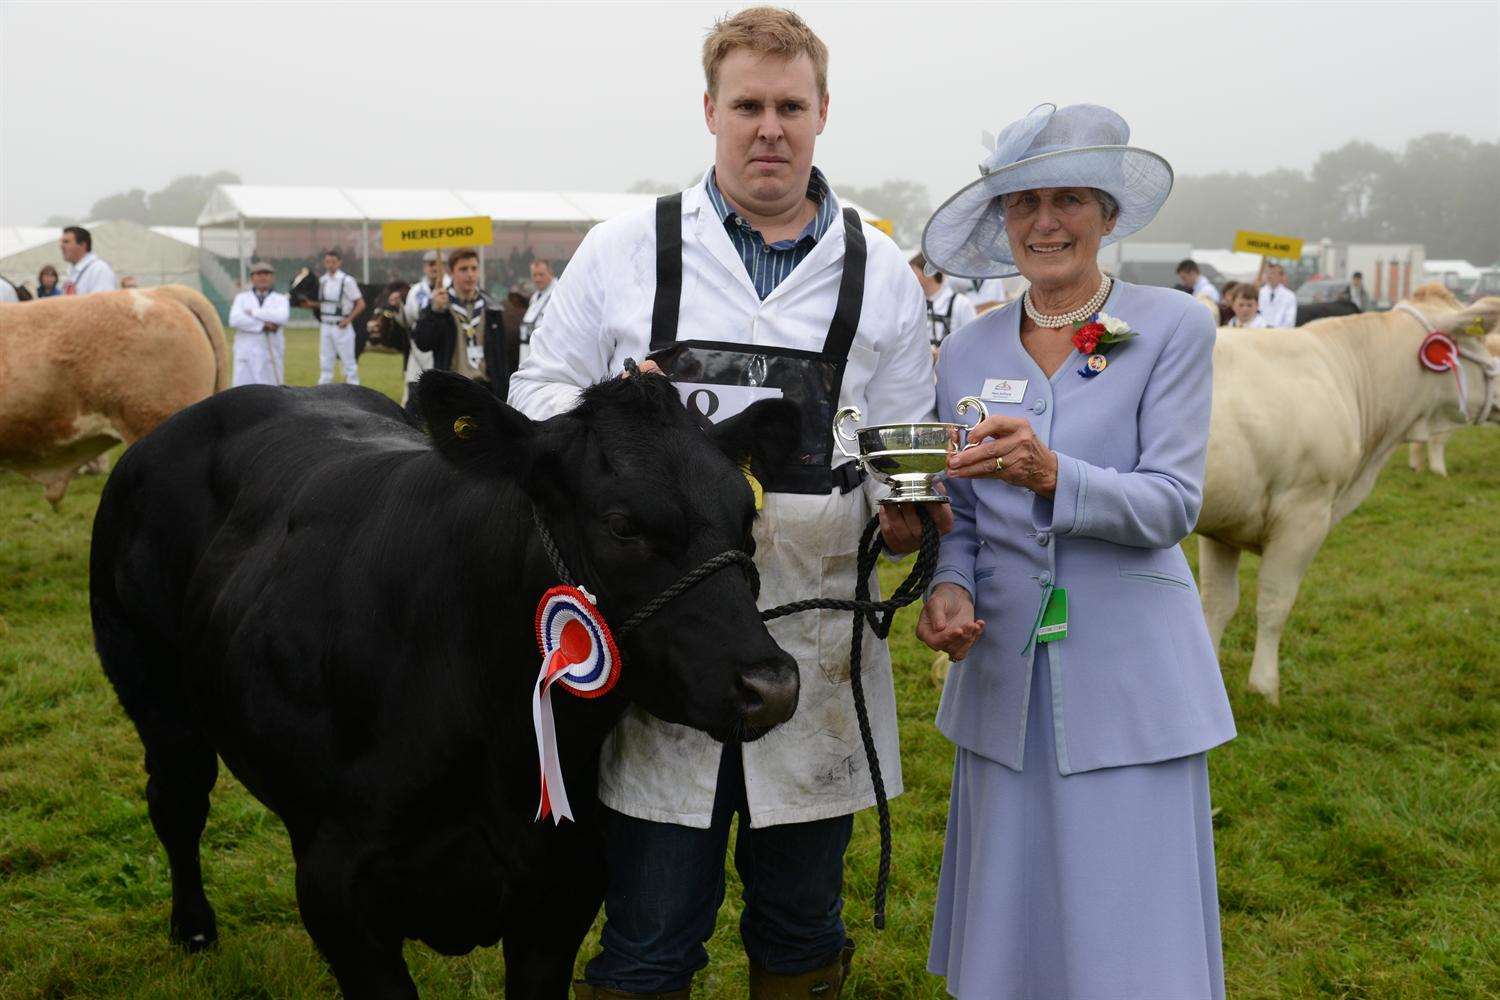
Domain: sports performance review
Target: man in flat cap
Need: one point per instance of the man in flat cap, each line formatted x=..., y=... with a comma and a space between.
x=417, y=360
x=258, y=315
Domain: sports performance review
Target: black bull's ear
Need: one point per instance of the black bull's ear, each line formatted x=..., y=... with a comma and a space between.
x=472, y=428
x=765, y=435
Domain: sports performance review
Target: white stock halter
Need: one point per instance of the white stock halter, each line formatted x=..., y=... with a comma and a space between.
x=1489, y=366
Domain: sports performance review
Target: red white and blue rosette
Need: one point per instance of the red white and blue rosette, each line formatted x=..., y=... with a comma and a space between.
x=579, y=653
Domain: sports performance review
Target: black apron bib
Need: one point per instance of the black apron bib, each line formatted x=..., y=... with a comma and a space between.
x=809, y=379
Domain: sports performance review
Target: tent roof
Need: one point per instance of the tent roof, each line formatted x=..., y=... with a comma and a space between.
x=264, y=203
x=19, y=239
x=267, y=203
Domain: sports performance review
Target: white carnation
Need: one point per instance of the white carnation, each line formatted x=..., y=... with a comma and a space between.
x=1114, y=324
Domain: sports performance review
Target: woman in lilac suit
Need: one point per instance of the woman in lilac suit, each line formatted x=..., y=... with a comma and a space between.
x=1084, y=691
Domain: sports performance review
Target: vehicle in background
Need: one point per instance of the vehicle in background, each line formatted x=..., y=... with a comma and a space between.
x=1324, y=290
x=1487, y=283
x=1392, y=271
x=1152, y=263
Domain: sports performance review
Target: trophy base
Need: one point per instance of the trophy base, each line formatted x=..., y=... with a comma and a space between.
x=918, y=489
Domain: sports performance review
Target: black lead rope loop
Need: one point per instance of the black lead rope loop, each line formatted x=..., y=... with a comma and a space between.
x=879, y=615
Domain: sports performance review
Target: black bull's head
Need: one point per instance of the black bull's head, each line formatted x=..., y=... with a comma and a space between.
x=637, y=494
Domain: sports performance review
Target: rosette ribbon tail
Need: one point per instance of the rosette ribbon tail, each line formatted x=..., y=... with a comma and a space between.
x=554, y=797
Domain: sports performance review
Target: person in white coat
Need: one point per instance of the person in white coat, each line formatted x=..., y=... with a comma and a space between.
x=947, y=308
x=86, y=271
x=544, y=281
x=757, y=254
x=417, y=298
x=258, y=316
x=1278, y=304
x=339, y=301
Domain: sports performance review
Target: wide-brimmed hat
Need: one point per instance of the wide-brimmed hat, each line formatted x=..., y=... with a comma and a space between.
x=1081, y=145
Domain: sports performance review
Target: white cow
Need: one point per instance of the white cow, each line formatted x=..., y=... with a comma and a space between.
x=1303, y=421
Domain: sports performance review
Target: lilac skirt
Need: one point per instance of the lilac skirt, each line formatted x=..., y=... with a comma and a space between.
x=1094, y=886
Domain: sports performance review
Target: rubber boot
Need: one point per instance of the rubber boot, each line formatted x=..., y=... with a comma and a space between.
x=823, y=984
x=584, y=991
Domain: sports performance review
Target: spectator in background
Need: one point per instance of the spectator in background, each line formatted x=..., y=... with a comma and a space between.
x=1226, y=297
x=513, y=314
x=417, y=299
x=9, y=292
x=1245, y=303
x=339, y=301
x=129, y=281
x=86, y=273
x=1277, y=303
x=257, y=317
x=1190, y=278
x=948, y=310
x=47, y=284
x=462, y=328
x=1357, y=291
x=542, y=278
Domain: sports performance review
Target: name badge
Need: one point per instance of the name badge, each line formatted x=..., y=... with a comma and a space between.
x=1003, y=390
x=720, y=402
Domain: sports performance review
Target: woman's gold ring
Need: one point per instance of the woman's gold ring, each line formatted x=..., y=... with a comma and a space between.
x=999, y=462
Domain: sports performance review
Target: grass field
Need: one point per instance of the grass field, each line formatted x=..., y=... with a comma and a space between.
x=1358, y=829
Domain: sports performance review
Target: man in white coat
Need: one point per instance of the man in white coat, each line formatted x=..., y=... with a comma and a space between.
x=417, y=298
x=544, y=281
x=258, y=315
x=757, y=254
x=339, y=301
x=86, y=271
x=948, y=309
x=1278, y=304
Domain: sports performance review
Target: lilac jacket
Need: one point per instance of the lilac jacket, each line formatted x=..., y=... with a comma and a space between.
x=1136, y=679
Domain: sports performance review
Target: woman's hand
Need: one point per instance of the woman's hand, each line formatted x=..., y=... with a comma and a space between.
x=1012, y=454
x=947, y=623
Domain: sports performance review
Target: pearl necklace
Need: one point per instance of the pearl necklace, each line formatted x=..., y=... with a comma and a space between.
x=1069, y=318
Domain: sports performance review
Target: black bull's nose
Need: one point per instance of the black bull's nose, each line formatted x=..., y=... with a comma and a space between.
x=768, y=692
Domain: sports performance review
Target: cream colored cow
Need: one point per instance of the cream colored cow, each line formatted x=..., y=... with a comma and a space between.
x=1303, y=421
x=80, y=374
x=1428, y=450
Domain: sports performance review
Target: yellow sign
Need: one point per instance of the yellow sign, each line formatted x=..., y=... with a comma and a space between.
x=1268, y=245
x=432, y=234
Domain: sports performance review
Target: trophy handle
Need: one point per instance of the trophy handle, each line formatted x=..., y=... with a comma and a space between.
x=839, y=437
x=966, y=404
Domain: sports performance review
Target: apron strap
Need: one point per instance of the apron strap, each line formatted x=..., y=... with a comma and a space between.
x=668, y=271
x=851, y=294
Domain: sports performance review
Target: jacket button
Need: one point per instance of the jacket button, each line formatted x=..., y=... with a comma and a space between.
x=1039, y=407
x=1045, y=579
x=1043, y=538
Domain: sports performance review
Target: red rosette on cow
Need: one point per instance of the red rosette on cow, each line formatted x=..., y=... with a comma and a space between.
x=578, y=653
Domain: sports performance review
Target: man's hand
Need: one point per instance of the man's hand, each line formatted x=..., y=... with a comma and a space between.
x=646, y=367
x=947, y=623
x=270, y=327
x=343, y=324
x=439, y=301
x=1012, y=454
x=901, y=526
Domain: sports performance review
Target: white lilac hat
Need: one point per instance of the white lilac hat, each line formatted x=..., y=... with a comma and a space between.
x=1081, y=145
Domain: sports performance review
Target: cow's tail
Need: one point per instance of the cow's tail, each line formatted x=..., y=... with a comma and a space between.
x=208, y=319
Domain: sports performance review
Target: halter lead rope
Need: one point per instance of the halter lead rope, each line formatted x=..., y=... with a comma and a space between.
x=879, y=614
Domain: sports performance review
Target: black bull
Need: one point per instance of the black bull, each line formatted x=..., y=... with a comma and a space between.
x=300, y=582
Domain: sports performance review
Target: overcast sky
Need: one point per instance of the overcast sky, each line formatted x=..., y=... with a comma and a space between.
x=97, y=98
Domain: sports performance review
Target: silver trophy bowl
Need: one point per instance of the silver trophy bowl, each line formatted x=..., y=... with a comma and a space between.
x=907, y=457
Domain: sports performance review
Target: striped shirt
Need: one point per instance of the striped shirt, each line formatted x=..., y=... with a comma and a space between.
x=768, y=264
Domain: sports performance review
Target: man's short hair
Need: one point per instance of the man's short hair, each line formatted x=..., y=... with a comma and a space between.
x=333, y=252
x=1244, y=291
x=81, y=237
x=768, y=31
x=542, y=261
x=1356, y=274
x=919, y=261
x=462, y=253
x=1188, y=266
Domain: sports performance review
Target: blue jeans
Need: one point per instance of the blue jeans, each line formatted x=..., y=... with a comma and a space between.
x=666, y=883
